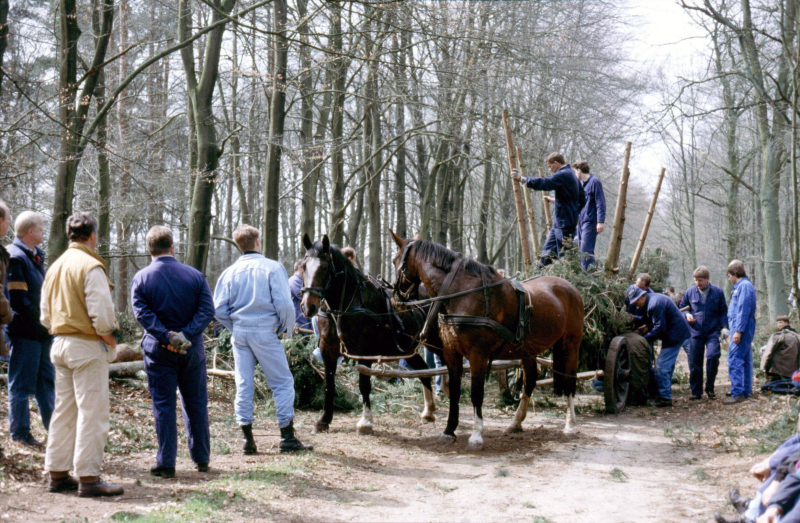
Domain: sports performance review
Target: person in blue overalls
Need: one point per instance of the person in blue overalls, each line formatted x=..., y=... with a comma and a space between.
x=742, y=324
x=170, y=299
x=707, y=315
x=669, y=326
x=593, y=214
x=570, y=198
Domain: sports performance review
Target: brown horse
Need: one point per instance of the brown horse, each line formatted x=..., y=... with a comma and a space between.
x=355, y=314
x=556, y=320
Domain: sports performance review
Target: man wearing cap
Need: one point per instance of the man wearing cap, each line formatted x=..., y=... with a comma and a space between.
x=707, y=315
x=668, y=325
x=780, y=357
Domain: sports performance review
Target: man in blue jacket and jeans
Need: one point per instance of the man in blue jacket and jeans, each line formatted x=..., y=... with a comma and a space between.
x=252, y=301
x=668, y=325
x=742, y=324
x=30, y=371
x=173, y=303
x=593, y=214
x=707, y=315
x=570, y=198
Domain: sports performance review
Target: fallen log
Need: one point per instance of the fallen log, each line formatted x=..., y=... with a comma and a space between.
x=227, y=374
x=125, y=370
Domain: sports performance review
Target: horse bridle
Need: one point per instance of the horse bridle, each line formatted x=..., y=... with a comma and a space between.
x=404, y=276
x=320, y=292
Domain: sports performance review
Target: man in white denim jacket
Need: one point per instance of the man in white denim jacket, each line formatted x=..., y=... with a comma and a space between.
x=76, y=307
x=252, y=300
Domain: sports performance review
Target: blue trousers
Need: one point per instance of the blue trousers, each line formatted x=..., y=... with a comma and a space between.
x=665, y=366
x=587, y=239
x=266, y=349
x=553, y=246
x=434, y=362
x=703, y=348
x=166, y=372
x=740, y=365
x=30, y=373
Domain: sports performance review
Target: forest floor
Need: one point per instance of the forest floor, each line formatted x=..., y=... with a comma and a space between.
x=646, y=465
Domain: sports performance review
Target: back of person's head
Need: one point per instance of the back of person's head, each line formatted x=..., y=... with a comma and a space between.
x=350, y=254
x=5, y=212
x=736, y=268
x=644, y=278
x=701, y=272
x=671, y=289
x=246, y=237
x=80, y=226
x=159, y=240
x=556, y=158
x=582, y=167
x=25, y=222
x=297, y=264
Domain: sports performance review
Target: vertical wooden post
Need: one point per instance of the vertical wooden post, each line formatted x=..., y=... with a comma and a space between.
x=614, y=246
x=512, y=163
x=526, y=197
x=548, y=215
x=646, y=228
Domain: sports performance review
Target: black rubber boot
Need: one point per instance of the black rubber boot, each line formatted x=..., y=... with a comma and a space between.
x=738, y=501
x=289, y=443
x=249, y=444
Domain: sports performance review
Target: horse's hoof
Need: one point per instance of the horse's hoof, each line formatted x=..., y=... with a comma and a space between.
x=447, y=439
x=320, y=428
x=364, y=430
x=513, y=429
x=475, y=444
x=429, y=418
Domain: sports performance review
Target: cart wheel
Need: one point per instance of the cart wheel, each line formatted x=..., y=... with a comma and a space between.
x=617, y=379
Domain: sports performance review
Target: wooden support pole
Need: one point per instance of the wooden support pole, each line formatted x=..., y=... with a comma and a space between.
x=548, y=215
x=512, y=163
x=614, y=246
x=646, y=228
x=526, y=197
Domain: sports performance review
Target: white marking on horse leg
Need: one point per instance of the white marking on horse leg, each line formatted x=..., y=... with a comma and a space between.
x=571, y=423
x=476, y=440
x=364, y=425
x=519, y=417
x=430, y=406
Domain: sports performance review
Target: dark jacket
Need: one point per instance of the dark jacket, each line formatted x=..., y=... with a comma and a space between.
x=595, y=209
x=25, y=280
x=711, y=316
x=295, y=285
x=668, y=324
x=170, y=296
x=782, y=353
x=570, y=197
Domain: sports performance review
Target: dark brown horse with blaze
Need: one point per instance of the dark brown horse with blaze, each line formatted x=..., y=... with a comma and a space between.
x=356, y=315
x=480, y=325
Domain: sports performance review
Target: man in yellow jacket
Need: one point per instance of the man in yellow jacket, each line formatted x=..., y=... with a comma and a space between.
x=77, y=308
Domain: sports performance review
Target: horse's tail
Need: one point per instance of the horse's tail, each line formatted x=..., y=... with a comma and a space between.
x=565, y=367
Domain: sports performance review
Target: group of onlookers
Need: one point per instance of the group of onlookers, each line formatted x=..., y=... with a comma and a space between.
x=701, y=317
x=61, y=324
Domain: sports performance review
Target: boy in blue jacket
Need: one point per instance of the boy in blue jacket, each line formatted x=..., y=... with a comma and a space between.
x=742, y=324
x=707, y=315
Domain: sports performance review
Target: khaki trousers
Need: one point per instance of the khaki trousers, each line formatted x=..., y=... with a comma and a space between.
x=79, y=426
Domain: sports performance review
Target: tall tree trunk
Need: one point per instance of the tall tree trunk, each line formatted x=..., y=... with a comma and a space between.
x=201, y=96
x=72, y=118
x=272, y=178
x=336, y=228
x=103, y=166
x=124, y=183
x=3, y=37
x=483, y=217
x=401, y=87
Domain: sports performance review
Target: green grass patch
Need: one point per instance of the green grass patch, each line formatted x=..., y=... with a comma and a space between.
x=200, y=506
x=618, y=474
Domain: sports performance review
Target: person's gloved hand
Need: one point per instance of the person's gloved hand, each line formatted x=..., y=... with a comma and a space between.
x=178, y=342
x=517, y=178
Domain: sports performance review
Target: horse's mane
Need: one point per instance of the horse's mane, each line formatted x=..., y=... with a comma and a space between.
x=339, y=261
x=443, y=258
